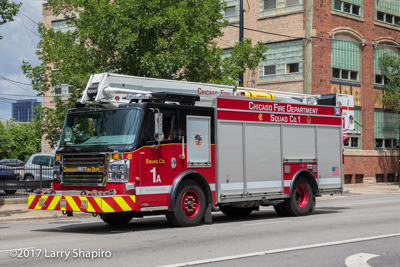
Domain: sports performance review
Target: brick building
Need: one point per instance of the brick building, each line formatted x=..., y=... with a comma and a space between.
x=348, y=39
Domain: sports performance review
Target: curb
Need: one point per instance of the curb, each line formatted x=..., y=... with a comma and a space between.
x=9, y=201
x=57, y=216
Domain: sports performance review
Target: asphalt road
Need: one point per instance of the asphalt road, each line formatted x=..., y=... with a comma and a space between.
x=344, y=231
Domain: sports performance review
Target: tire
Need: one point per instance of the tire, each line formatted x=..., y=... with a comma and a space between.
x=235, y=211
x=301, y=202
x=10, y=192
x=280, y=209
x=190, y=205
x=118, y=218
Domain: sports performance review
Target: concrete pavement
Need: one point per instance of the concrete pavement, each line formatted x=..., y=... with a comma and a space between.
x=17, y=209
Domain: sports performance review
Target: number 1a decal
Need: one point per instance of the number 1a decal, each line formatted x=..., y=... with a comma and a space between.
x=156, y=178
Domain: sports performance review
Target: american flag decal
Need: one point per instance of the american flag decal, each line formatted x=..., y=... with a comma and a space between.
x=335, y=171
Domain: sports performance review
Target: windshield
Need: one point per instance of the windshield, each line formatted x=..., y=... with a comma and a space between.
x=100, y=127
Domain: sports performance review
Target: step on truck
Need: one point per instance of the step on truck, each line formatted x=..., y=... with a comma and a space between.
x=137, y=146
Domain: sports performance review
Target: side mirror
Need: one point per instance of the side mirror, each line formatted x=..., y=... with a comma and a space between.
x=158, y=127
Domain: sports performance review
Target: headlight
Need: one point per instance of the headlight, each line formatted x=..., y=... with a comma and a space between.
x=118, y=170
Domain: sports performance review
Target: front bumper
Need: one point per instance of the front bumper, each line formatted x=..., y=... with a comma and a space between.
x=92, y=204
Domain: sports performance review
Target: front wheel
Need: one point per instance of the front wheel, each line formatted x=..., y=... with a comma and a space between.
x=118, y=218
x=190, y=205
x=302, y=200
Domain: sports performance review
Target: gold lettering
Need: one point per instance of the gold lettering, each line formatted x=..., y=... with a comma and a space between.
x=70, y=169
x=155, y=161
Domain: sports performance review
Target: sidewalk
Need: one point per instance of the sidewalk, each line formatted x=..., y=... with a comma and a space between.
x=17, y=209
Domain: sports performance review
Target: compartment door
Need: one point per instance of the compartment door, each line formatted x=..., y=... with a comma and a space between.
x=198, y=141
x=329, y=157
x=263, y=159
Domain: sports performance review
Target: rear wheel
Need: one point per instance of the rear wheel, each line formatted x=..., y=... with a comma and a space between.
x=280, y=209
x=118, y=218
x=301, y=202
x=190, y=205
x=235, y=211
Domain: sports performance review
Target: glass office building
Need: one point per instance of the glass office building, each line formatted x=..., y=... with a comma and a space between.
x=24, y=110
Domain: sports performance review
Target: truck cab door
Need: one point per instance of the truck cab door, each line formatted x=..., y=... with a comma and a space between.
x=156, y=159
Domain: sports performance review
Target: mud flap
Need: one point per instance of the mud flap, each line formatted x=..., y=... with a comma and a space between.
x=207, y=215
x=312, y=209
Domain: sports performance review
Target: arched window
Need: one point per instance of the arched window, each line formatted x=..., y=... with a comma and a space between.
x=383, y=47
x=346, y=57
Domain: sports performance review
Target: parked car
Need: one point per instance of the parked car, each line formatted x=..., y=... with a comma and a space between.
x=8, y=174
x=12, y=162
x=39, y=167
x=15, y=163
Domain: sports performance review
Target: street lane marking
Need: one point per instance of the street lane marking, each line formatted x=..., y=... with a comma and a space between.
x=7, y=250
x=267, y=252
x=359, y=260
x=250, y=224
x=359, y=203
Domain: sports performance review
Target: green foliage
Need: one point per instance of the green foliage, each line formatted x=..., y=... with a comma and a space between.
x=391, y=97
x=170, y=39
x=8, y=9
x=19, y=140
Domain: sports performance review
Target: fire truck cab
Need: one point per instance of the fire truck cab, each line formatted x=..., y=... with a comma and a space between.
x=187, y=149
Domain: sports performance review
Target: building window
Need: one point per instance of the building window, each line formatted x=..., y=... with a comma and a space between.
x=390, y=178
x=345, y=60
x=352, y=142
x=230, y=11
x=269, y=70
x=63, y=26
x=347, y=7
x=359, y=178
x=269, y=4
x=381, y=79
x=345, y=74
x=380, y=73
x=277, y=7
x=292, y=68
x=379, y=178
x=57, y=91
x=63, y=91
x=386, y=130
x=386, y=143
x=347, y=178
x=283, y=61
x=388, y=11
x=388, y=18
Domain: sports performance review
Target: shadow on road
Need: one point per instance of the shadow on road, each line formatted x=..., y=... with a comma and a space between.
x=155, y=223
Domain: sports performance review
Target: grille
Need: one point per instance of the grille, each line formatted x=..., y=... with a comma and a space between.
x=81, y=170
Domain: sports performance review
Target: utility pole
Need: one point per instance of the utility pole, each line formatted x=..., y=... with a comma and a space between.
x=308, y=48
x=241, y=30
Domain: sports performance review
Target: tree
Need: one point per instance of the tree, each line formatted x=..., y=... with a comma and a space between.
x=8, y=9
x=19, y=140
x=171, y=39
x=391, y=97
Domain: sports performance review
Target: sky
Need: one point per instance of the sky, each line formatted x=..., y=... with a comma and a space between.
x=20, y=39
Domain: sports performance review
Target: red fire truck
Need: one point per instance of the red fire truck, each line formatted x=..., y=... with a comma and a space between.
x=137, y=146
